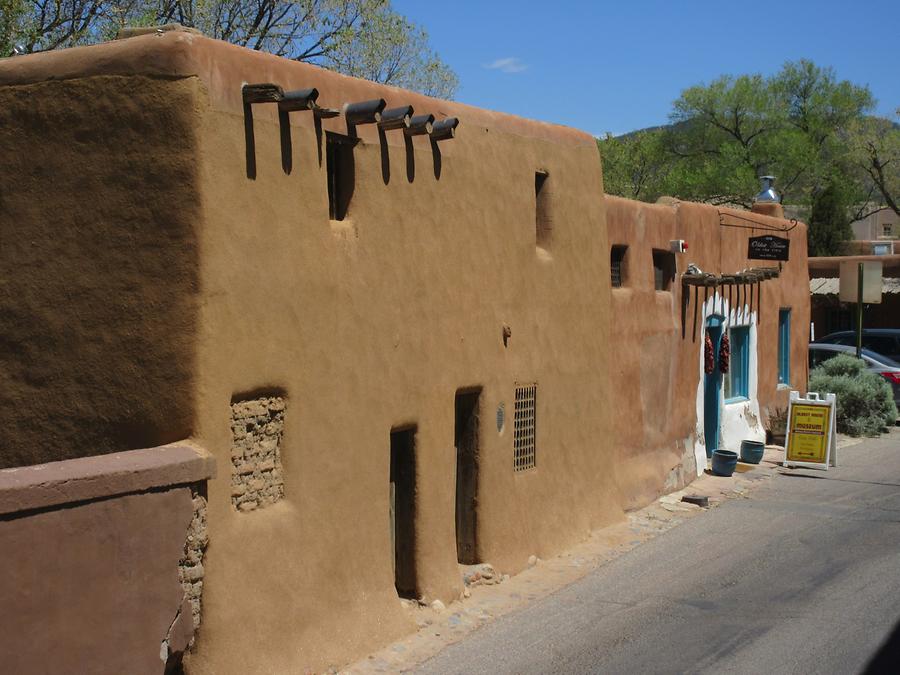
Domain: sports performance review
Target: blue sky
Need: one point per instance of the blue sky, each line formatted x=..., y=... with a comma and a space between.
x=603, y=66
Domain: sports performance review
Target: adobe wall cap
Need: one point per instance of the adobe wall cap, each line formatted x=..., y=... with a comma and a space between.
x=87, y=478
x=224, y=68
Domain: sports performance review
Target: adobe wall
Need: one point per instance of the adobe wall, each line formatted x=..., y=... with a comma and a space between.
x=102, y=561
x=375, y=323
x=98, y=206
x=657, y=336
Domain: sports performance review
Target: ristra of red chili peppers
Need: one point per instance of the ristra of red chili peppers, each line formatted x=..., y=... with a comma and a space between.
x=709, y=359
x=724, y=353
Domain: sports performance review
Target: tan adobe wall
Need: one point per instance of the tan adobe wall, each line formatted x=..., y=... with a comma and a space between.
x=98, y=210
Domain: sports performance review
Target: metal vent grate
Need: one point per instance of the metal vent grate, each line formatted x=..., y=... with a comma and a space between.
x=524, y=422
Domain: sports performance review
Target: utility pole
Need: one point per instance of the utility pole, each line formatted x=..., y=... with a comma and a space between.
x=859, y=312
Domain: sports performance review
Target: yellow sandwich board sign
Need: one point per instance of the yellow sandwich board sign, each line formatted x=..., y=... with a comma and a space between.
x=810, y=431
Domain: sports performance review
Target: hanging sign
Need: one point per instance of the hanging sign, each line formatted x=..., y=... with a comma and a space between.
x=768, y=247
x=810, y=431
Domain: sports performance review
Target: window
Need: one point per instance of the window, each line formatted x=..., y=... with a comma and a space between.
x=784, y=346
x=542, y=222
x=737, y=380
x=524, y=421
x=341, y=174
x=617, y=265
x=887, y=229
x=663, y=269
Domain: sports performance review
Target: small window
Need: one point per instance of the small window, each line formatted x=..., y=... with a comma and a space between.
x=524, y=420
x=784, y=346
x=617, y=265
x=887, y=229
x=542, y=221
x=341, y=174
x=663, y=269
x=737, y=380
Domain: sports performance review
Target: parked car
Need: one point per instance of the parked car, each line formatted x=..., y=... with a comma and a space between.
x=882, y=365
x=880, y=340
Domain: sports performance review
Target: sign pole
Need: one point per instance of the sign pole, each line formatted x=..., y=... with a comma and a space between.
x=859, y=311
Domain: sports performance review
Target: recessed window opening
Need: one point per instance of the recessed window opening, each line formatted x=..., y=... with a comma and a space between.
x=403, y=510
x=617, y=265
x=524, y=438
x=737, y=380
x=543, y=222
x=341, y=173
x=784, y=346
x=663, y=269
x=466, y=438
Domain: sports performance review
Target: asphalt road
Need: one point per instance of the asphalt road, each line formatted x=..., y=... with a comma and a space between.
x=802, y=577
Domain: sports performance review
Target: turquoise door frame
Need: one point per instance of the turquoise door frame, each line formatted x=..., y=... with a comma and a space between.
x=712, y=387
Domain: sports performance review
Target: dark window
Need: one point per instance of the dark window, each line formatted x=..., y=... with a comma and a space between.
x=784, y=346
x=617, y=265
x=542, y=221
x=341, y=174
x=663, y=269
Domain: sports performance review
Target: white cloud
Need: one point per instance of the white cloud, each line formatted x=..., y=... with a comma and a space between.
x=510, y=64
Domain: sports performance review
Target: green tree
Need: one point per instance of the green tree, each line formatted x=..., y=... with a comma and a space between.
x=635, y=165
x=390, y=49
x=737, y=128
x=829, y=223
x=367, y=38
x=874, y=145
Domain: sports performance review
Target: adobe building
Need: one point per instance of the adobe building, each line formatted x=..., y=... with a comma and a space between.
x=829, y=314
x=405, y=347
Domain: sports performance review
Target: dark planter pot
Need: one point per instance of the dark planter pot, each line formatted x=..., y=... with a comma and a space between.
x=723, y=462
x=752, y=451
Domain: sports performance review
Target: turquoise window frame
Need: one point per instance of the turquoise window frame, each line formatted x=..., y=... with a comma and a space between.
x=784, y=346
x=738, y=378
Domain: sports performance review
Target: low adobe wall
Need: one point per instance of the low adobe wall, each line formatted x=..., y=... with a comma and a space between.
x=103, y=561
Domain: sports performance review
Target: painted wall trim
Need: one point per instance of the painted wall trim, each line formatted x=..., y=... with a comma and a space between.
x=88, y=478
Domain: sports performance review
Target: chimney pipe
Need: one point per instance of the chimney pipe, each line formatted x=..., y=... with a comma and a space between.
x=768, y=194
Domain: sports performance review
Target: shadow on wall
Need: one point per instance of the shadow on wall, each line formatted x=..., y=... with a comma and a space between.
x=96, y=350
x=286, y=143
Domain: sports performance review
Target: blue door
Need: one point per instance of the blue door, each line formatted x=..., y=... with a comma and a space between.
x=712, y=388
